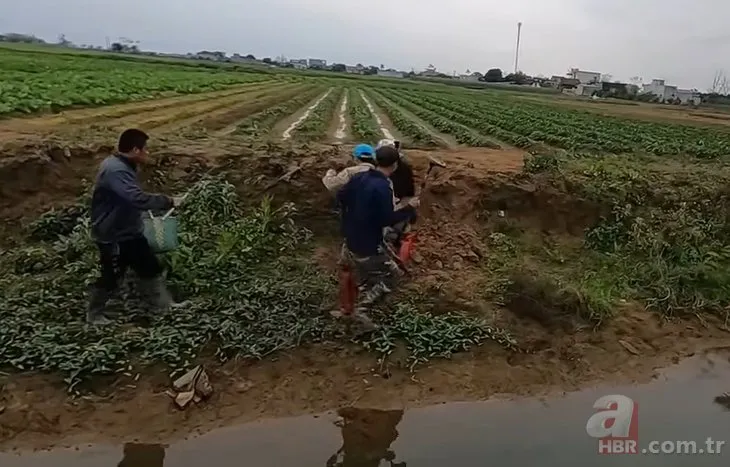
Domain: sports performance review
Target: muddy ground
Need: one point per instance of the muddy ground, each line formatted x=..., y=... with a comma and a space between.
x=458, y=213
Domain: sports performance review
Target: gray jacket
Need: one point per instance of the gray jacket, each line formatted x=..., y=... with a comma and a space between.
x=118, y=202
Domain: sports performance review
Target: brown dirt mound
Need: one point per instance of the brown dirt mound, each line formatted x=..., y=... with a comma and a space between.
x=35, y=178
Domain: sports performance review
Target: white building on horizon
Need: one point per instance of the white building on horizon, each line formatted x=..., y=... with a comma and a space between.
x=585, y=77
x=391, y=73
x=667, y=93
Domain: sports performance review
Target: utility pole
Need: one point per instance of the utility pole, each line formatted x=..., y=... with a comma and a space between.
x=517, y=50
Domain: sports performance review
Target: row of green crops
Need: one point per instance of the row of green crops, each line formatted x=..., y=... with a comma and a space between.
x=462, y=133
x=458, y=114
x=261, y=123
x=37, y=82
x=410, y=129
x=316, y=124
x=519, y=122
x=364, y=127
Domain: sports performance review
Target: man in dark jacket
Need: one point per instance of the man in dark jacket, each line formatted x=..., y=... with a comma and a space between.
x=117, y=205
x=367, y=207
x=404, y=190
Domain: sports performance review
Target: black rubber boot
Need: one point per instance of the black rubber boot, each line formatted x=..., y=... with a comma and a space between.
x=97, y=306
x=154, y=293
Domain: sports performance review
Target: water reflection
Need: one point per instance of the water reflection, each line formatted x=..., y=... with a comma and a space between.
x=143, y=455
x=366, y=438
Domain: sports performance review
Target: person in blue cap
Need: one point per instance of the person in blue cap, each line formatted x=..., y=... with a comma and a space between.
x=364, y=155
x=366, y=203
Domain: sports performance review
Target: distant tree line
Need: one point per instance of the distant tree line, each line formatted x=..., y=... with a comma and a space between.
x=495, y=75
x=21, y=38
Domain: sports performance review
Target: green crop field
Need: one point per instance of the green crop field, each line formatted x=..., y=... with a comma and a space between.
x=557, y=210
x=33, y=82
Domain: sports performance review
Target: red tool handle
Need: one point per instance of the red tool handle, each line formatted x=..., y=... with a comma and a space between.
x=348, y=290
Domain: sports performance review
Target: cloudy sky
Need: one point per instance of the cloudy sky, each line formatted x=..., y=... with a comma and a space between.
x=682, y=41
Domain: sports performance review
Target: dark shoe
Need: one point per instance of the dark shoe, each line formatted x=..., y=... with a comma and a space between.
x=155, y=294
x=95, y=319
x=97, y=306
x=374, y=294
x=363, y=320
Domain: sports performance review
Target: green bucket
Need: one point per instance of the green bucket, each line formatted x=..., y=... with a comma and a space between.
x=161, y=233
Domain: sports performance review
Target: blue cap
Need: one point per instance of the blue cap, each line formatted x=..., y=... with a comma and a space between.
x=363, y=151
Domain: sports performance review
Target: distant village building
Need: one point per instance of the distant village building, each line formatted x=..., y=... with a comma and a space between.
x=618, y=89
x=299, y=63
x=317, y=63
x=353, y=70
x=469, y=76
x=586, y=90
x=206, y=55
x=172, y=55
x=391, y=73
x=430, y=71
x=562, y=83
x=670, y=94
x=585, y=77
x=236, y=58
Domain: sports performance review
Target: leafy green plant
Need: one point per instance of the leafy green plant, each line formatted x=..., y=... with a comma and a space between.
x=536, y=163
x=429, y=336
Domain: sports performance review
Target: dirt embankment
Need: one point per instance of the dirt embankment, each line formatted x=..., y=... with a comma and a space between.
x=460, y=208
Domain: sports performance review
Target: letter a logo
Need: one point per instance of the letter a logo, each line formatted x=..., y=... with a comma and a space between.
x=616, y=418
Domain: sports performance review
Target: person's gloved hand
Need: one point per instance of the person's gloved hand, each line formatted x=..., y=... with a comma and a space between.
x=414, y=202
x=331, y=173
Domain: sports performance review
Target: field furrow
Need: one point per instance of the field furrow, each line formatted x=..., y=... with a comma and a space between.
x=456, y=113
x=224, y=124
x=341, y=122
x=314, y=123
x=261, y=124
x=176, y=118
x=363, y=125
x=462, y=134
x=415, y=133
x=386, y=127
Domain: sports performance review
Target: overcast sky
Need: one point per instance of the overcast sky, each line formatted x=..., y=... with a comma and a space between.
x=682, y=41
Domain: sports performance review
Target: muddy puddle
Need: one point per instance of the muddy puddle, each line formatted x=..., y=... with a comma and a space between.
x=676, y=412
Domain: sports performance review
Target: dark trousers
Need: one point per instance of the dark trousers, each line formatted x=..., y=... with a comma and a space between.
x=117, y=258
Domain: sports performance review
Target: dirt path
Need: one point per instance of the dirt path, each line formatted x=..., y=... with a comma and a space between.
x=20, y=127
x=173, y=118
x=386, y=127
x=299, y=117
x=257, y=106
x=341, y=123
x=217, y=121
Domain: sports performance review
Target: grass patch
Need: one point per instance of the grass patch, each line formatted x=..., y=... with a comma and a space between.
x=665, y=241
